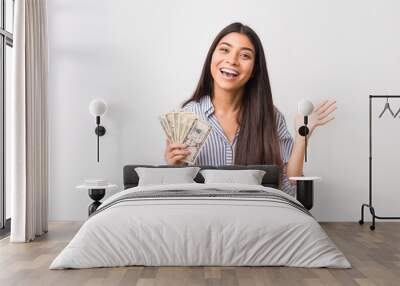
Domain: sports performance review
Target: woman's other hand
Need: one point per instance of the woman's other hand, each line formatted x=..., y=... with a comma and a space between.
x=321, y=115
x=175, y=153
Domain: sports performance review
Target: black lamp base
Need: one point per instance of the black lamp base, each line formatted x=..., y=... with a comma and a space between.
x=305, y=193
x=96, y=195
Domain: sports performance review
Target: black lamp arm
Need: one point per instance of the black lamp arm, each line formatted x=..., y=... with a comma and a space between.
x=303, y=131
x=100, y=131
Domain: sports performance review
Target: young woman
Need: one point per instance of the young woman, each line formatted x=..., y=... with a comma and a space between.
x=234, y=97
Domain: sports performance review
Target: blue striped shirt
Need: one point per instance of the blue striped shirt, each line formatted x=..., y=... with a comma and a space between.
x=217, y=150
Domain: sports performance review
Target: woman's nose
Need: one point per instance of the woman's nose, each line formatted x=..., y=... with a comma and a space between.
x=232, y=62
x=232, y=59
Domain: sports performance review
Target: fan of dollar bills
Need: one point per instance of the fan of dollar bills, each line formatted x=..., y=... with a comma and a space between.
x=186, y=128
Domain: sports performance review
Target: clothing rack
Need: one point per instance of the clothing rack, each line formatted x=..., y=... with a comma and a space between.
x=369, y=205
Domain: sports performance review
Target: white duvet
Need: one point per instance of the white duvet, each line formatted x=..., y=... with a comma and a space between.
x=200, y=231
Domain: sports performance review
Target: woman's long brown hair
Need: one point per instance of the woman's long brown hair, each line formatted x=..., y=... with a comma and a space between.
x=258, y=141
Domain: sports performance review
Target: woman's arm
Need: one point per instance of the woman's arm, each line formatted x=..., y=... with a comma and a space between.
x=295, y=164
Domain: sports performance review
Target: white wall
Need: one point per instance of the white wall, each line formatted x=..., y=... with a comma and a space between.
x=145, y=57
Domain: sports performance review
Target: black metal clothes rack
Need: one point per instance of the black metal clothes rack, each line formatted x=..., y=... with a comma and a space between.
x=369, y=205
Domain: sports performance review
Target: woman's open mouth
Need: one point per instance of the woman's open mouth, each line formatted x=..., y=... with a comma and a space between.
x=229, y=73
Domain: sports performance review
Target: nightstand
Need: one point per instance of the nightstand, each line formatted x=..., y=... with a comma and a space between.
x=96, y=193
x=305, y=190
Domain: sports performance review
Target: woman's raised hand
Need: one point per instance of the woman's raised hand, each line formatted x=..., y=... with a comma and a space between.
x=321, y=115
x=175, y=153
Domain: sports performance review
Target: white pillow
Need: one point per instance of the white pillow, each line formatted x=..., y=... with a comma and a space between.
x=248, y=177
x=163, y=176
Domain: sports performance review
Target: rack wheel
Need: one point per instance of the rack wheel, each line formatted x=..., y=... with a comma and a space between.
x=372, y=227
x=361, y=222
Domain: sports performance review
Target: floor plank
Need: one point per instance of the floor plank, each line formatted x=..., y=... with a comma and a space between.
x=375, y=257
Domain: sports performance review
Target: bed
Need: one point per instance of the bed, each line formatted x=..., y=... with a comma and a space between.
x=198, y=224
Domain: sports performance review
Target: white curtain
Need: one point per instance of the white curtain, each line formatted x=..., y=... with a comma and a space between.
x=28, y=120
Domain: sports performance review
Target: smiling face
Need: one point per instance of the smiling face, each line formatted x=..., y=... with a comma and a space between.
x=232, y=62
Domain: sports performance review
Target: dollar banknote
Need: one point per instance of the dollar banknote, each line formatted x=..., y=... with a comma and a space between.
x=195, y=139
x=165, y=126
x=185, y=128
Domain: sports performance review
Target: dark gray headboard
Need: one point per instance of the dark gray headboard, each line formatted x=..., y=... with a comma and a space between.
x=270, y=179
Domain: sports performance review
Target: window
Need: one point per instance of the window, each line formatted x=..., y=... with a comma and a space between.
x=6, y=60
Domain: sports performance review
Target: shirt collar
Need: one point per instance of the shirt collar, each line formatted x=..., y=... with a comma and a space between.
x=206, y=105
x=208, y=108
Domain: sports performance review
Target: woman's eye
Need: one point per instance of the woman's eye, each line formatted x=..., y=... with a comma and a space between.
x=223, y=49
x=245, y=56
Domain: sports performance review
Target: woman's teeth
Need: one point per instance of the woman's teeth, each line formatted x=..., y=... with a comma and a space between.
x=228, y=73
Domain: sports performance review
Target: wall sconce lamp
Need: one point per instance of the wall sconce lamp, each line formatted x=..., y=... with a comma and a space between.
x=97, y=108
x=305, y=185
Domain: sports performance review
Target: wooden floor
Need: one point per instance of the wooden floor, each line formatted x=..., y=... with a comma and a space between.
x=375, y=257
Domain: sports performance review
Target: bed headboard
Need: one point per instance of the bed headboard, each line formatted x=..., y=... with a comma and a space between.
x=270, y=179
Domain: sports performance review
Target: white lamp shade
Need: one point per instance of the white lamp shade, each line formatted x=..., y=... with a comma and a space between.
x=97, y=107
x=305, y=107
